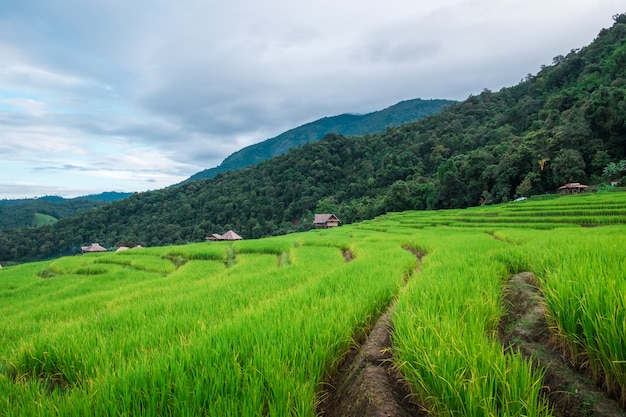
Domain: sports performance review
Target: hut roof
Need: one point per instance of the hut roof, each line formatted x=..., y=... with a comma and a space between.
x=572, y=185
x=123, y=248
x=323, y=218
x=230, y=235
x=94, y=247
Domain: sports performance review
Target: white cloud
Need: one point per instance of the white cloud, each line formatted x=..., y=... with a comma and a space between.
x=118, y=95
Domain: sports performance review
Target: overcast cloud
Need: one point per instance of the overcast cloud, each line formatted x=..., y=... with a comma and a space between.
x=118, y=95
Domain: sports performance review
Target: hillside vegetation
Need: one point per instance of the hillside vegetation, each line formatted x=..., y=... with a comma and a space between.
x=40, y=211
x=344, y=124
x=255, y=327
x=566, y=123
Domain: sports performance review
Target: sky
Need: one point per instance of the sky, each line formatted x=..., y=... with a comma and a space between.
x=119, y=95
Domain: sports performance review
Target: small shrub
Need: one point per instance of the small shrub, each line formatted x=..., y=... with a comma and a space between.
x=46, y=273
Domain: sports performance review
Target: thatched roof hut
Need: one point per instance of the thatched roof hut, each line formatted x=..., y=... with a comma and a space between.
x=230, y=235
x=213, y=237
x=572, y=188
x=324, y=221
x=123, y=248
x=94, y=247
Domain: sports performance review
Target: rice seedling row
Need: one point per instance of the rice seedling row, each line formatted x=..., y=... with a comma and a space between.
x=583, y=278
x=253, y=338
x=252, y=328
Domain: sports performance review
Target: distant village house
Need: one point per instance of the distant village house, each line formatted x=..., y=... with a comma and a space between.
x=572, y=188
x=94, y=247
x=123, y=248
x=230, y=235
x=325, y=221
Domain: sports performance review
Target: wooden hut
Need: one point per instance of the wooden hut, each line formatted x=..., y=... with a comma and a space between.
x=94, y=247
x=325, y=221
x=572, y=188
x=230, y=235
x=123, y=248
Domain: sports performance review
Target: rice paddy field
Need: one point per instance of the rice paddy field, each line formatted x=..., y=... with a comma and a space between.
x=254, y=328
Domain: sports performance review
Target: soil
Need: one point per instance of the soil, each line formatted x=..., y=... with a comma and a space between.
x=367, y=385
x=524, y=328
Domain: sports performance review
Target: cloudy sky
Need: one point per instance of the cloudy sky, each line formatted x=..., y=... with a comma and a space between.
x=131, y=95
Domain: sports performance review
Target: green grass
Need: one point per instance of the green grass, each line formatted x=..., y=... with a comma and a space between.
x=44, y=219
x=445, y=325
x=583, y=278
x=254, y=327
x=135, y=334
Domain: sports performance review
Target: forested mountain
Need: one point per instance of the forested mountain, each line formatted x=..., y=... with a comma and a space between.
x=345, y=124
x=24, y=212
x=566, y=123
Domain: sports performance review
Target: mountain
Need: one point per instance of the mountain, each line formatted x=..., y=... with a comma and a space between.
x=108, y=196
x=345, y=124
x=32, y=212
x=565, y=124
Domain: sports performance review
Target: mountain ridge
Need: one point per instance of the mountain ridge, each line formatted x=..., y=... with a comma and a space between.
x=565, y=124
x=16, y=213
x=346, y=124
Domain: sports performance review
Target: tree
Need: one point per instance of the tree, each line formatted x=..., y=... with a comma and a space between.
x=614, y=170
x=619, y=18
x=568, y=166
x=398, y=197
x=450, y=189
x=525, y=189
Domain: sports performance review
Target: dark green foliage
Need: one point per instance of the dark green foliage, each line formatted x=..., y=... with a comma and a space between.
x=33, y=212
x=345, y=124
x=22, y=213
x=564, y=124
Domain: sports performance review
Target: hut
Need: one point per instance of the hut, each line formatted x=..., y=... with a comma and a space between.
x=325, y=221
x=230, y=235
x=572, y=188
x=123, y=248
x=94, y=247
x=213, y=237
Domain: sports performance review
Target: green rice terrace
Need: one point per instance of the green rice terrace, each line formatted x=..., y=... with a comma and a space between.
x=510, y=310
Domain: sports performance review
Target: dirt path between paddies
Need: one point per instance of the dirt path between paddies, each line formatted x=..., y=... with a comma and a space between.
x=524, y=327
x=366, y=383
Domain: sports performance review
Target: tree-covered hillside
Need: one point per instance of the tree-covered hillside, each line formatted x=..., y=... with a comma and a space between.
x=566, y=123
x=345, y=124
x=23, y=212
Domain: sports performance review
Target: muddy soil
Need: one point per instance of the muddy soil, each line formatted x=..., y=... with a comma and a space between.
x=524, y=327
x=367, y=385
